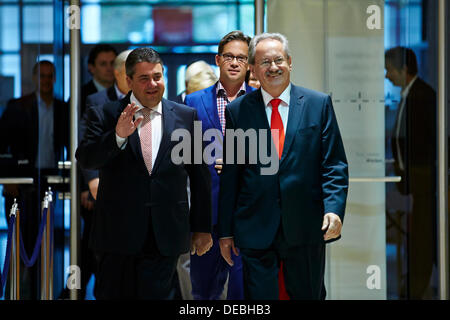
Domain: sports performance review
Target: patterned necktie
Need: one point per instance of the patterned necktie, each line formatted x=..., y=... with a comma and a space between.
x=277, y=124
x=145, y=135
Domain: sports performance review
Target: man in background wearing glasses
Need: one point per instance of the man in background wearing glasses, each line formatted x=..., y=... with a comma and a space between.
x=210, y=271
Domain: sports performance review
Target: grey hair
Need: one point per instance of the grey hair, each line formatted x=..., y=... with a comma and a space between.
x=119, y=62
x=196, y=67
x=264, y=36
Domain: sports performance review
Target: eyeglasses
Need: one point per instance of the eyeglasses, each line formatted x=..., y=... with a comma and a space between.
x=267, y=63
x=229, y=57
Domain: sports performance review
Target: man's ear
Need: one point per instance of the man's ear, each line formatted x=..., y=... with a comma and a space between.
x=217, y=60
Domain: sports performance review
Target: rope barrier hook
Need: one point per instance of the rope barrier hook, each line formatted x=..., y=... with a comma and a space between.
x=14, y=208
x=50, y=194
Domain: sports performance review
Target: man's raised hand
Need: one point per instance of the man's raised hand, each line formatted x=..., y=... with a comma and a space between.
x=126, y=123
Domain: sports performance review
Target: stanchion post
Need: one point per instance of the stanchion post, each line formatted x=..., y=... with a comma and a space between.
x=50, y=247
x=15, y=255
x=44, y=251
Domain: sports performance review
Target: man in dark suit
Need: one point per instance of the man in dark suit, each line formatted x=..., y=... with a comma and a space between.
x=116, y=92
x=209, y=272
x=414, y=150
x=34, y=129
x=101, y=67
x=142, y=221
x=287, y=216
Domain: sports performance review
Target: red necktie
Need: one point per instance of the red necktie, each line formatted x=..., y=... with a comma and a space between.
x=145, y=135
x=276, y=123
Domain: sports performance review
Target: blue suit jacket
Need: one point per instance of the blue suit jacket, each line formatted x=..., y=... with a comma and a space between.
x=312, y=178
x=205, y=101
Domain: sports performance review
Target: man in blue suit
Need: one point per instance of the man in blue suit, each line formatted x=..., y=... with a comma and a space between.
x=209, y=272
x=287, y=216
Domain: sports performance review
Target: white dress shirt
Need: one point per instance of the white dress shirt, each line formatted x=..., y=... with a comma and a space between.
x=156, y=121
x=283, y=108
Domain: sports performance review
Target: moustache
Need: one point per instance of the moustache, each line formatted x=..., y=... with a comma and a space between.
x=274, y=73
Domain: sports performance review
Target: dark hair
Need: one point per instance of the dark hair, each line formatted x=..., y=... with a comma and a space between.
x=247, y=76
x=400, y=57
x=141, y=55
x=38, y=64
x=232, y=36
x=93, y=54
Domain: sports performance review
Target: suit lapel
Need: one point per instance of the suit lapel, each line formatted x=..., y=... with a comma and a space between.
x=259, y=114
x=168, y=126
x=209, y=101
x=111, y=93
x=133, y=139
x=296, y=108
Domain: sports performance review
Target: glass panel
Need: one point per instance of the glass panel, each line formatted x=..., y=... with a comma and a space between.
x=247, y=16
x=10, y=68
x=9, y=28
x=387, y=118
x=99, y=24
x=412, y=117
x=38, y=24
x=212, y=22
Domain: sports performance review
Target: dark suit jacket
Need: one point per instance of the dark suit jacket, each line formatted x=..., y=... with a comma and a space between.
x=417, y=146
x=97, y=99
x=128, y=196
x=101, y=97
x=312, y=178
x=179, y=98
x=86, y=90
x=19, y=128
x=205, y=101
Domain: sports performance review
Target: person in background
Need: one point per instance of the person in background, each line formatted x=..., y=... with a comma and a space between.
x=414, y=149
x=210, y=272
x=101, y=67
x=251, y=80
x=34, y=129
x=201, y=80
x=191, y=70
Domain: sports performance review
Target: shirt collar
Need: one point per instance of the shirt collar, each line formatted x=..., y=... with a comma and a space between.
x=285, y=96
x=157, y=108
x=219, y=87
x=408, y=87
x=119, y=94
x=98, y=85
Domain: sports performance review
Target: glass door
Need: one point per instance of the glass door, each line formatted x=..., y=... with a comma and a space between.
x=378, y=61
